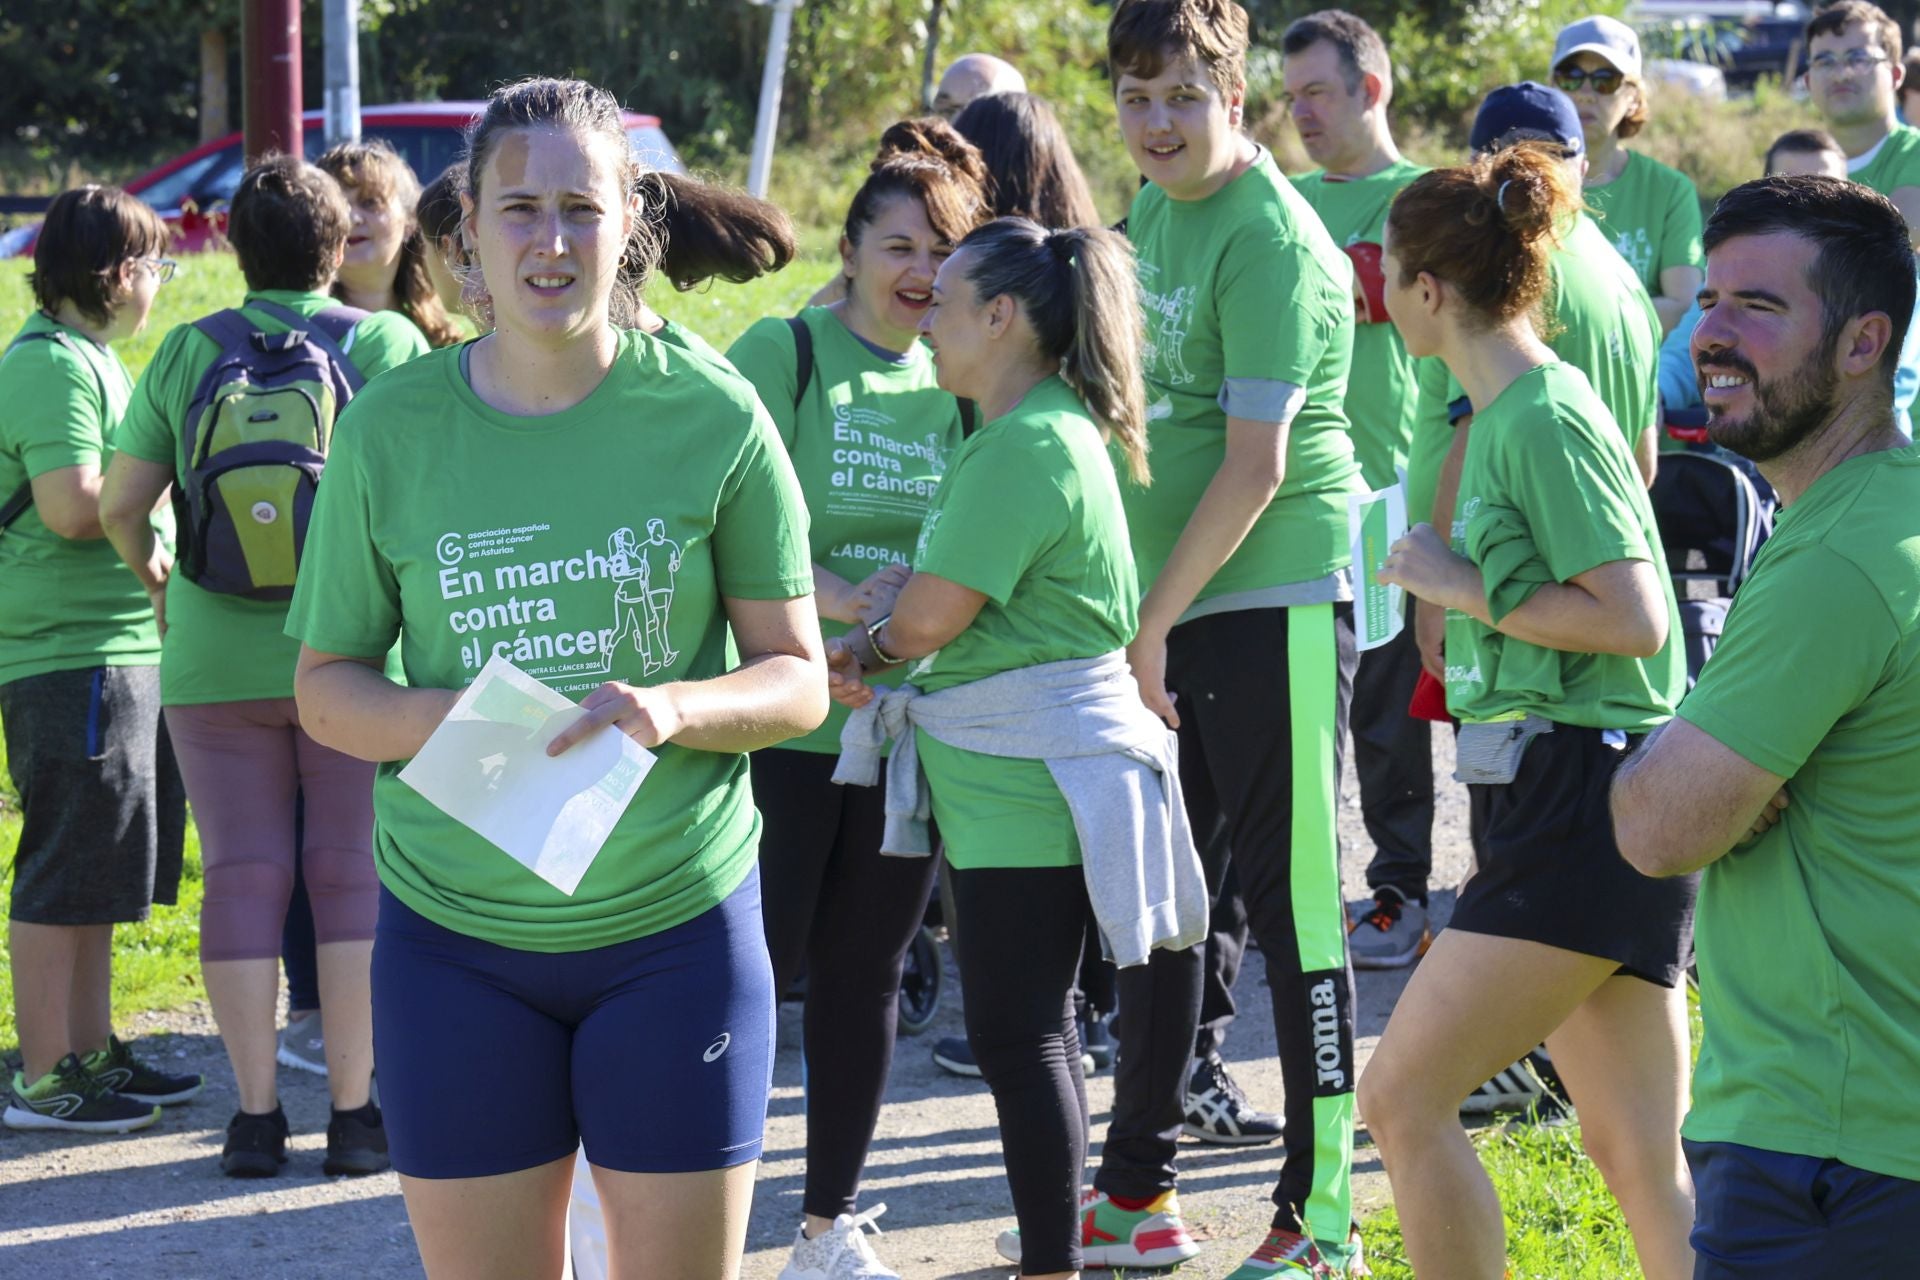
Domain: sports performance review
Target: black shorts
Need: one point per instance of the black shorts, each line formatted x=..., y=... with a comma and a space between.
x=1550, y=872
x=103, y=814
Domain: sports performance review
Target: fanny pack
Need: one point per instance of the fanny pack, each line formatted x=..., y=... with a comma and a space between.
x=1488, y=752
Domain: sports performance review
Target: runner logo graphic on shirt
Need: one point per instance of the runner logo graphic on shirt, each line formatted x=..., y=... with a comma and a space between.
x=1637, y=248
x=643, y=598
x=1169, y=320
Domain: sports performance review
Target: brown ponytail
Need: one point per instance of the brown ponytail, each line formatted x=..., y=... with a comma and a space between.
x=1487, y=228
x=714, y=232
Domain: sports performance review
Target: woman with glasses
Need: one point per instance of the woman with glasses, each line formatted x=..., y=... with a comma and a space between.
x=102, y=810
x=1650, y=212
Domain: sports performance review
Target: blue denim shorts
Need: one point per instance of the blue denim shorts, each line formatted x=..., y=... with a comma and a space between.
x=656, y=1053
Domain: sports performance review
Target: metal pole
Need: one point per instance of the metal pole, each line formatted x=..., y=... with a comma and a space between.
x=763, y=130
x=341, y=33
x=270, y=36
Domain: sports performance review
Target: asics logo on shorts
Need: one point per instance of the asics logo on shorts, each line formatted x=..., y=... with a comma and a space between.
x=718, y=1047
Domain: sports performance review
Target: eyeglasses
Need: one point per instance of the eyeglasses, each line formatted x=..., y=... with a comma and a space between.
x=1856, y=61
x=1602, y=80
x=162, y=268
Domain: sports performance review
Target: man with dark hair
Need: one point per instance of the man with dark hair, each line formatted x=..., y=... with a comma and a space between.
x=1338, y=83
x=1854, y=75
x=1788, y=771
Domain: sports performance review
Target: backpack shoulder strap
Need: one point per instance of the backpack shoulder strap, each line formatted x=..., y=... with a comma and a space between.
x=99, y=379
x=227, y=328
x=317, y=328
x=16, y=505
x=802, y=357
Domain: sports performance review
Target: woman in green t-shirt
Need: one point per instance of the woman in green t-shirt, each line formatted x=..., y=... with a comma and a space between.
x=615, y=517
x=101, y=809
x=1649, y=211
x=1024, y=595
x=1559, y=659
x=386, y=262
x=870, y=433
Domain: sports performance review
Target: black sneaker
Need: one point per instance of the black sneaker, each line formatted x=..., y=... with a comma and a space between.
x=117, y=1068
x=1218, y=1111
x=356, y=1143
x=1096, y=1041
x=73, y=1099
x=256, y=1145
x=1530, y=1086
x=953, y=1053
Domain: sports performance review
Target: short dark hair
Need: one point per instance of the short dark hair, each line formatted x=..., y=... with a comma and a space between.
x=1144, y=35
x=1864, y=261
x=87, y=233
x=288, y=222
x=1833, y=19
x=1803, y=142
x=1362, y=51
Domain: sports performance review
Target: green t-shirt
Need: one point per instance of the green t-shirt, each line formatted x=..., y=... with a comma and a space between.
x=675, y=334
x=1651, y=213
x=585, y=546
x=1248, y=302
x=1380, y=390
x=1029, y=515
x=64, y=605
x=1809, y=986
x=1895, y=163
x=222, y=648
x=1547, y=492
x=869, y=441
x=1432, y=435
x=1606, y=327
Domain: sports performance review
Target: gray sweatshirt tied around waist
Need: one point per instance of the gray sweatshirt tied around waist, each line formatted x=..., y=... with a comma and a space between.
x=1113, y=760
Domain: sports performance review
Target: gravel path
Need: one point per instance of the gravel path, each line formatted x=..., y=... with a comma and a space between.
x=155, y=1202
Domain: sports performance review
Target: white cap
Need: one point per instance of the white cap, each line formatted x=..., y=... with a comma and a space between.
x=1611, y=38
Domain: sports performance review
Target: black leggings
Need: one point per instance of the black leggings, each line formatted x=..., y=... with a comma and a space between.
x=1026, y=930
x=844, y=914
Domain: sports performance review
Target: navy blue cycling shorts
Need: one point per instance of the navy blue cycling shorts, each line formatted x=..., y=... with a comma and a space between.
x=1767, y=1215
x=657, y=1053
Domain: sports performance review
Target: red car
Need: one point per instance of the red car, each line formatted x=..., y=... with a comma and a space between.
x=191, y=192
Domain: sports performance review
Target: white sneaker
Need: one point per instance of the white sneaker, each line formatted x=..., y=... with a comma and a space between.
x=841, y=1252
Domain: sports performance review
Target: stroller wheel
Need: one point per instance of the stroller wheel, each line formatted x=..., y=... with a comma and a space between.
x=920, y=981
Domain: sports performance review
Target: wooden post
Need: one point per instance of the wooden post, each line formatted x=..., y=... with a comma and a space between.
x=270, y=41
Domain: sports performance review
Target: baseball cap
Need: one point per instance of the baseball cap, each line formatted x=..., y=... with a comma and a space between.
x=1611, y=38
x=1528, y=111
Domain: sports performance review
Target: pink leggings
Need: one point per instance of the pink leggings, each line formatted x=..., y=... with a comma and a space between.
x=243, y=763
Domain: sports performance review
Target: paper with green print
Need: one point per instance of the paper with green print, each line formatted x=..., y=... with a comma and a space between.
x=1375, y=521
x=487, y=767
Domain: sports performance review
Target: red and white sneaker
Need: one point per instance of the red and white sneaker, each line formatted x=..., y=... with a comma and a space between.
x=1154, y=1236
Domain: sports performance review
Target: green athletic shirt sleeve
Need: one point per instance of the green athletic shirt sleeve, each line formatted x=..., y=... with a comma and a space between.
x=761, y=506
x=1569, y=482
x=362, y=615
x=164, y=390
x=383, y=340
x=59, y=423
x=1806, y=642
x=766, y=356
x=1681, y=246
x=1257, y=270
x=999, y=514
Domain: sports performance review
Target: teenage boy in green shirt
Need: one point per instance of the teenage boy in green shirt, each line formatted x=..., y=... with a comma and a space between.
x=1788, y=772
x=1245, y=644
x=1338, y=85
x=1854, y=75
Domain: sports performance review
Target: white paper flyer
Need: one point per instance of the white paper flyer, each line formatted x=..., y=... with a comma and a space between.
x=1375, y=521
x=487, y=767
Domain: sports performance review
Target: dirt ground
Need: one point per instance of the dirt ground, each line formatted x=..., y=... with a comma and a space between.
x=154, y=1204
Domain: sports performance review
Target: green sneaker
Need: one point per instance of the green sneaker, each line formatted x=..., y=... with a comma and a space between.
x=117, y=1068
x=1153, y=1236
x=73, y=1099
x=1285, y=1255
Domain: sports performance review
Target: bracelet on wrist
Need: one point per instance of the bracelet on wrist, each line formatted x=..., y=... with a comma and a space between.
x=873, y=630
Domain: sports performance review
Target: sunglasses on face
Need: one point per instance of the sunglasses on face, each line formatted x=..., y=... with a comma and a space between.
x=1602, y=80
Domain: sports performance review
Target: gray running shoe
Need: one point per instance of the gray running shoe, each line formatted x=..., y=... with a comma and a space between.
x=70, y=1097
x=1388, y=933
x=302, y=1046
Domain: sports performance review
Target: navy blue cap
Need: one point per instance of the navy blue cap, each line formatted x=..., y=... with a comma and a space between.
x=1523, y=112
